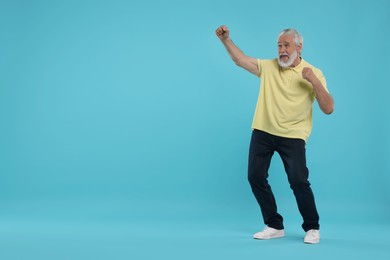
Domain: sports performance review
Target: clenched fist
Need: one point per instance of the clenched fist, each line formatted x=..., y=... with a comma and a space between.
x=222, y=32
x=308, y=74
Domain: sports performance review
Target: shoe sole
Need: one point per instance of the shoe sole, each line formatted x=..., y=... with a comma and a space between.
x=311, y=242
x=267, y=238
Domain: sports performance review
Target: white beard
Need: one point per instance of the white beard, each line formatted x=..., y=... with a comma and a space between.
x=289, y=62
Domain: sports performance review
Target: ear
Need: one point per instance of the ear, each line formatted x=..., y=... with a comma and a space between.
x=299, y=48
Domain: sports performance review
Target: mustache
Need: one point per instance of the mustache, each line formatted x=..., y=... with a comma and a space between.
x=283, y=54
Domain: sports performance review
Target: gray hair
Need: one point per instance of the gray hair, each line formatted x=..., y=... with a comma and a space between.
x=298, y=39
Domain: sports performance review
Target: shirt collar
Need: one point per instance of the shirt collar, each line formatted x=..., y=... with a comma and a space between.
x=300, y=66
x=297, y=68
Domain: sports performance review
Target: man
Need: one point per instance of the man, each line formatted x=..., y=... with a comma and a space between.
x=282, y=123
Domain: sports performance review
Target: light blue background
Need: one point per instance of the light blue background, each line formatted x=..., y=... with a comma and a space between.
x=125, y=129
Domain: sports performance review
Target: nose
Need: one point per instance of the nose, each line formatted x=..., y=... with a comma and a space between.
x=282, y=49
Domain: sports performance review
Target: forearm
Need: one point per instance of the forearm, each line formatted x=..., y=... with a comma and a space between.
x=235, y=53
x=324, y=99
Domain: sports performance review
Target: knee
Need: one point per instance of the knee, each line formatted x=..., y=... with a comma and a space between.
x=298, y=184
x=256, y=177
x=251, y=178
x=298, y=178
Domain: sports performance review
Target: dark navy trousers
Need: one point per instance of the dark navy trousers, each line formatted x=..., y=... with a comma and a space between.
x=293, y=154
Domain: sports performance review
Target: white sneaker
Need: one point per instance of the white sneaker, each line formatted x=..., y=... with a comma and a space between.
x=269, y=233
x=312, y=236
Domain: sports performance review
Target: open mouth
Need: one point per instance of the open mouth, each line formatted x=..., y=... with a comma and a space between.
x=283, y=56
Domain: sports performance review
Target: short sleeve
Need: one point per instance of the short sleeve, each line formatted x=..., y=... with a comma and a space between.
x=259, y=67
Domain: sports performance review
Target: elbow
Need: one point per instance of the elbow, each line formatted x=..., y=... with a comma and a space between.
x=328, y=110
x=329, y=107
x=238, y=63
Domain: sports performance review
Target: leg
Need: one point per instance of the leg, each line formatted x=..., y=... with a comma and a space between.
x=260, y=154
x=293, y=154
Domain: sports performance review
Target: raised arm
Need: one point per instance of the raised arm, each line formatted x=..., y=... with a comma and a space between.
x=242, y=60
x=324, y=99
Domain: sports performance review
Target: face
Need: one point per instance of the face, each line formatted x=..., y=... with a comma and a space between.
x=288, y=51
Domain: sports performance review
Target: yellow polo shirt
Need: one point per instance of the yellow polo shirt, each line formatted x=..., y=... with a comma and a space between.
x=284, y=106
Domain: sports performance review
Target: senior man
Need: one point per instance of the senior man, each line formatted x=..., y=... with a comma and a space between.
x=282, y=123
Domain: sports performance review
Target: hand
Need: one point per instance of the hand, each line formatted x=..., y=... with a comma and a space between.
x=308, y=74
x=222, y=32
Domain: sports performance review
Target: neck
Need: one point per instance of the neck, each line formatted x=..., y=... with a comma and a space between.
x=296, y=61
